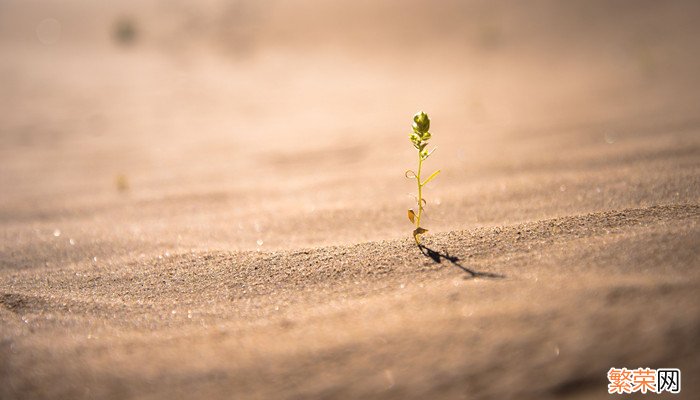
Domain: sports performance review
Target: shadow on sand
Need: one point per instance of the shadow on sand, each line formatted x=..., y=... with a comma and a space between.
x=454, y=260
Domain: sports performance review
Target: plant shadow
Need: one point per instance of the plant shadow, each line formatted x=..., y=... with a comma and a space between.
x=437, y=257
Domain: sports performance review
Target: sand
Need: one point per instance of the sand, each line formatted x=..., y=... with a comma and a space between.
x=215, y=206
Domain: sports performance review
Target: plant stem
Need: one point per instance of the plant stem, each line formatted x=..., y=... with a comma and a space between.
x=420, y=191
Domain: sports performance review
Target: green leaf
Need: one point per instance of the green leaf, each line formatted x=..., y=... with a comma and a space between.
x=421, y=122
x=430, y=178
x=412, y=216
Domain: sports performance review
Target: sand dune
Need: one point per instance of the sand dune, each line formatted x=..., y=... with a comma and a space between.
x=207, y=200
x=564, y=296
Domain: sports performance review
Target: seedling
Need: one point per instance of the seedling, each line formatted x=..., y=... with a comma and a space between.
x=420, y=138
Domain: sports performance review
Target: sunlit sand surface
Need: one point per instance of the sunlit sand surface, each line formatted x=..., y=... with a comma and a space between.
x=208, y=200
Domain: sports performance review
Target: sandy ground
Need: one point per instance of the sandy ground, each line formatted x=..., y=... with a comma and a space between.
x=208, y=201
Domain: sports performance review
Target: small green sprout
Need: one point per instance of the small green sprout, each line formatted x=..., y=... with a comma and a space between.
x=419, y=138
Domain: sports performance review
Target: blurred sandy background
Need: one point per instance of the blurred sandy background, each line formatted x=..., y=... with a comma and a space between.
x=138, y=137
